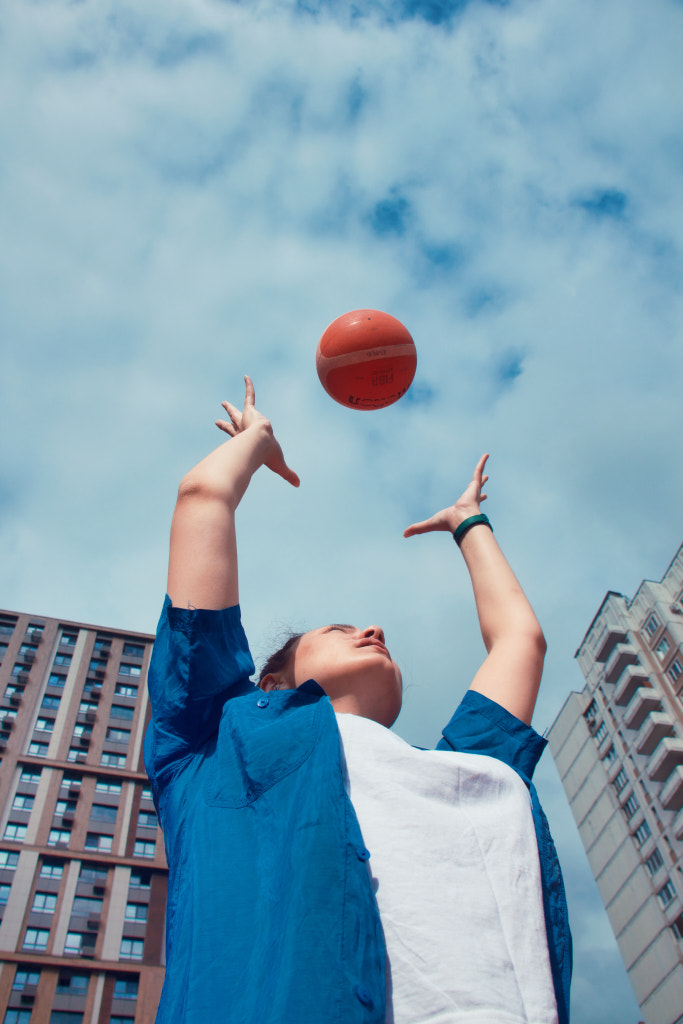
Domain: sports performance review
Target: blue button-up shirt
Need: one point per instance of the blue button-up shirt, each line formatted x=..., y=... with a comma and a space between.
x=271, y=917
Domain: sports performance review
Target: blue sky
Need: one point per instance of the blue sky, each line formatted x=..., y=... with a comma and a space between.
x=192, y=190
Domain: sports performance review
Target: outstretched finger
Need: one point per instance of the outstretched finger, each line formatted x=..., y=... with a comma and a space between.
x=228, y=428
x=249, y=394
x=234, y=413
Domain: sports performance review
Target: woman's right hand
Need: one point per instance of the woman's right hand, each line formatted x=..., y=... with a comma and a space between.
x=251, y=419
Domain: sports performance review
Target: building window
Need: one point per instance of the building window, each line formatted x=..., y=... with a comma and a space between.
x=143, y=848
x=97, y=663
x=642, y=833
x=8, y=860
x=104, y=785
x=86, y=707
x=86, y=906
x=59, y=837
x=677, y=927
x=76, y=755
x=45, y=724
x=126, y=988
x=24, y=978
x=68, y=638
x=4, y=892
x=136, y=912
x=50, y=702
x=95, y=841
x=103, y=812
x=19, y=669
x=133, y=650
x=140, y=879
x=662, y=648
x=121, y=1020
x=666, y=894
x=146, y=793
x=102, y=644
x=70, y=984
x=30, y=776
x=36, y=939
x=109, y=760
x=62, y=659
x=124, y=690
x=22, y=802
x=77, y=942
x=654, y=861
x=600, y=732
x=51, y=869
x=123, y=711
x=129, y=670
x=65, y=807
x=118, y=735
x=82, y=730
x=631, y=806
x=651, y=626
x=93, y=873
x=675, y=670
x=132, y=949
x=15, y=832
x=37, y=749
x=609, y=756
x=17, y=1017
x=44, y=903
x=56, y=679
x=620, y=780
x=147, y=819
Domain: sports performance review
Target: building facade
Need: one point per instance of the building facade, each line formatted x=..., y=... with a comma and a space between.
x=83, y=877
x=618, y=747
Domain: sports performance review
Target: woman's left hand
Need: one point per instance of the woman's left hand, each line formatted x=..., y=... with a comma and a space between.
x=448, y=519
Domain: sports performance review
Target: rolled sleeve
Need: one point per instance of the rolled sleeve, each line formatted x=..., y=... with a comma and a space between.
x=480, y=726
x=200, y=659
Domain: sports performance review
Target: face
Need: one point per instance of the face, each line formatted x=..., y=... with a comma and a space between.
x=354, y=668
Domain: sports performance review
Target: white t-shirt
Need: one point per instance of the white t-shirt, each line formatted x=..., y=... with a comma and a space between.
x=454, y=863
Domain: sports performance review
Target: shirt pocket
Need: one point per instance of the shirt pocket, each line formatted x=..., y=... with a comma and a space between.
x=260, y=742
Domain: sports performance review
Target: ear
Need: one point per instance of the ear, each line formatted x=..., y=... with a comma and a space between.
x=275, y=681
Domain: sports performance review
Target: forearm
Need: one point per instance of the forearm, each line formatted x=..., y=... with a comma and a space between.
x=503, y=609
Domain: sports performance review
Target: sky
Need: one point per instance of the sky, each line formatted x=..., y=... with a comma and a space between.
x=191, y=190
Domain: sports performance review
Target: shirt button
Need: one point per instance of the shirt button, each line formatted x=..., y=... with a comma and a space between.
x=262, y=702
x=363, y=995
x=362, y=853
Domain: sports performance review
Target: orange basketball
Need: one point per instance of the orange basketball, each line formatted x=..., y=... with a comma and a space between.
x=366, y=359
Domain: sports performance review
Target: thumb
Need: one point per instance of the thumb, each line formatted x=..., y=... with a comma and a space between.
x=424, y=527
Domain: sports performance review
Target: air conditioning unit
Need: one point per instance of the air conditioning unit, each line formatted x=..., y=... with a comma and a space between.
x=74, y=791
x=7, y=724
x=67, y=819
x=90, y=716
x=15, y=700
x=84, y=741
x=93, y=924
x=28, y=656
x=98, y=890
x=22, y=678
x=99, y=673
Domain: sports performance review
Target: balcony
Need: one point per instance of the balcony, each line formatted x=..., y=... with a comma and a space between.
x=656, y=726
x=643, y=701
x=621, y=656
x=677, y=826
x=668, y=754
x=630, y=681
x=608, y=641
x=671, y=796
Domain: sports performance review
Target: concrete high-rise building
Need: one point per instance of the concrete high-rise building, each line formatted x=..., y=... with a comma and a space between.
x=618, y=747
x=83, y=877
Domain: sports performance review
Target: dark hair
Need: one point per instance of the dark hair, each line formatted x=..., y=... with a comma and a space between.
x=279, y=660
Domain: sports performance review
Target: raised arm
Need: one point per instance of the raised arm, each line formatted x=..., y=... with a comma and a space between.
x=511, y=672
x=202, y=569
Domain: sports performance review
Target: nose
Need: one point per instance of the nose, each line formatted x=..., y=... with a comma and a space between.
x=375, y=631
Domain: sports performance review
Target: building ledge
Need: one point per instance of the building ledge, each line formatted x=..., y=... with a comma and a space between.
x=671, y=796
x=631, y=680
x=656, y=726
x=643, y=701
x=622, y=655
x=667, y=755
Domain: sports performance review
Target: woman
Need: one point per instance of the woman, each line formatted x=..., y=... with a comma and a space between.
x=321, y=869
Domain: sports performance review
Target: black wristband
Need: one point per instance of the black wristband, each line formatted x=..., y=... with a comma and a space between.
x=467, y=524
